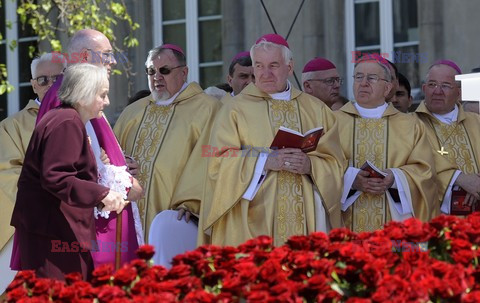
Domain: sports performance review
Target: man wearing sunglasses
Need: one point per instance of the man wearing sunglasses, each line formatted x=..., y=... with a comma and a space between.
x=165, y=132
x=15, y=133
x=453, y=135
x=320, y=79
x=396, y=143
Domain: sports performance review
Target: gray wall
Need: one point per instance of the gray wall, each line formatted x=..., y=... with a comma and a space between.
x=318, y=30
x=449, y=30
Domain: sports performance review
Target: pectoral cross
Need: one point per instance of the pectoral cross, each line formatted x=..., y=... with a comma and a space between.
x=442, y=151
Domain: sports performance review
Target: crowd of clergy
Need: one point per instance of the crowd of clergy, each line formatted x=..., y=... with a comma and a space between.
x=203, y=161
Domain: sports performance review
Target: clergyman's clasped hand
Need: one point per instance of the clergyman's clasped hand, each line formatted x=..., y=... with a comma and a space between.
x=289, y=159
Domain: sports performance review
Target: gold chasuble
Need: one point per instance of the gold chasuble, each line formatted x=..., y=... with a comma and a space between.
x=455, y=146
x=167, y=141
x=15, y=134
x=227, y=98
x=285, y=203
x=396, y=140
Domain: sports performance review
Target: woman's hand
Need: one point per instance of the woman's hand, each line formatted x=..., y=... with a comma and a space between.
x=114, y=202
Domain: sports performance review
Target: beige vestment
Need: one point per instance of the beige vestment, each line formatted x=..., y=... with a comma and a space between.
x=285, y=203
x=166, y=141
x=396, y=140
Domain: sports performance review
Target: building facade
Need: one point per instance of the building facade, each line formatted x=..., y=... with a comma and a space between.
x=411, y=33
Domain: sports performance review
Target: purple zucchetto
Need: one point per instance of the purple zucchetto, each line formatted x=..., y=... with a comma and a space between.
x=318, y=64
x=273, y=38
x=448, y=63
x=241, y=55
x=173, y=47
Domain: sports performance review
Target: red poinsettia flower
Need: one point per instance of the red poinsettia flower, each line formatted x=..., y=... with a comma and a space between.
x=102, y=274
x=388, y=265
x=199, y=296
x=145, y=252
x=125, y=275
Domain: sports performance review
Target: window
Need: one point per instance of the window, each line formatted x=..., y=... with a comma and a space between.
x=196, y=27
x=388, y=28
x=18, y=60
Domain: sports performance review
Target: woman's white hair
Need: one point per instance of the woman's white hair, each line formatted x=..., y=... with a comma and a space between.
x=286, y=52
x=81, y=82
x=48, y=57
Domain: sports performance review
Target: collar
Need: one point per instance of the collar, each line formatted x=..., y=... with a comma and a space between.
x=458, y=116
x=285, y=95
x=448, y=118
x=350, y=108
x=172, y=98
x=252, y=90
x=37, y=101
x=371, y=113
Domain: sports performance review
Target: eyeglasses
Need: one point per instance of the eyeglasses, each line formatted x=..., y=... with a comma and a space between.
x=329, y=81
x=45, y=80
x=371, y=78
x=443, y=86
x=151, y=71
x=104, y=57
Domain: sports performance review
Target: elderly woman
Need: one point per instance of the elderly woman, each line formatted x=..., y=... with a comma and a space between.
x=57, y=188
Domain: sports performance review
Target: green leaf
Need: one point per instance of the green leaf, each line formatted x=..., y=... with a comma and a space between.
x=335, y=277
x=337, y=288
x=241, y=255
x=117, y=8
x=46, y=6
x=31, y=51
x=341, y=265
x=3, y=89
x=12, y=45
x=56, y=45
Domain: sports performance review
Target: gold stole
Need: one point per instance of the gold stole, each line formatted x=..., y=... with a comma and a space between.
x=457, y=143
x=369, y=212
x=149, y=139
x=289, y=217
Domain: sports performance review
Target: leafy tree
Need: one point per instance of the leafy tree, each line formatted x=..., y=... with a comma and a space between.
x=50, y=18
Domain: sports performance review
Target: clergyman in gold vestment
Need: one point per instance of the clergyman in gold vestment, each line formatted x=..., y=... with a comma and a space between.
x=164, y=133
x=15, y=133
x=251, y=192
x=370, y=129
x=453, y=133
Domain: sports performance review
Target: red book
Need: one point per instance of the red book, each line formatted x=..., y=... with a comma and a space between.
x=288, y=138
x=374, y=171
x=458, y=206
